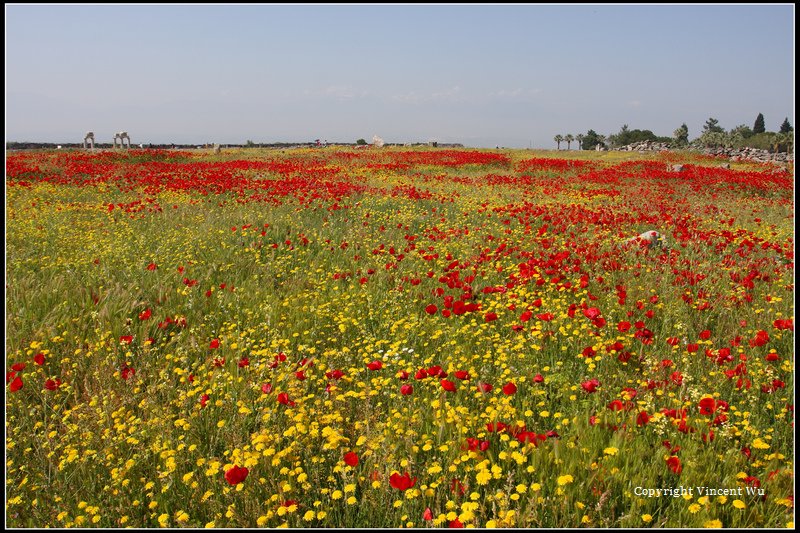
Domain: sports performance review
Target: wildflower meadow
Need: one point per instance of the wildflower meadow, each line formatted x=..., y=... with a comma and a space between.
x=398, y=337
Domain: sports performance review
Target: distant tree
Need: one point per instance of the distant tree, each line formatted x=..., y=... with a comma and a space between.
x=569, y=139
x=628, y=136
x=579, y=138
x=785, y=126
x=592, y=139
x=250, y=144
x=743, y=131
x=712, y=126
x=681, y=135
x=558, y=139
x=361, y=142
x=759, y=127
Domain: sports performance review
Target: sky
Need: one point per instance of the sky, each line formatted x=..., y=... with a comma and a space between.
x=480, y=75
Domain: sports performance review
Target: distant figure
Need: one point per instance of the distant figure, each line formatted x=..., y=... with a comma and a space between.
x=89, y=137
x=649, y=239
x=122, y=135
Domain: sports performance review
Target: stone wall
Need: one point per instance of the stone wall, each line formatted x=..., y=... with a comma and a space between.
x=734, y=154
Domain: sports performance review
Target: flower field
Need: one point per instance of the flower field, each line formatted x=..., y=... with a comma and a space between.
x=397, y=338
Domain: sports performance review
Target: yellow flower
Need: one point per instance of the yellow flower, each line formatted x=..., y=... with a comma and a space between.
x=563, y=480
x=646, y=518
x=713, y=524
x=694, y=508
x=739, y=504
x=610, y=451
x=483, y=477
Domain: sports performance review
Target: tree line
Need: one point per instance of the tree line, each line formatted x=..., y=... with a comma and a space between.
x=713, y=135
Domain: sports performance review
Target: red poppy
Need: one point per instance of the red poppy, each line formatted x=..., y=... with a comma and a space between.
x=406, y=390
x=591, y=385
x=623, y=326
x=375, y=365
x=545, y=317
x=538, y=378
x=144, y=315
x=509, y=388
x=484, y=387
x=351, y=458
x=461, y=374
x=787, y=323
x=591, y=313
x=266, y=388
x=705, y=334
x=674, y=464
x=334, y=374
x=403, y=482
x=203, y=400
x=490, y=317
x=214, y=344
x=436, y=371
x=126, y=339
x=447, y=385
x=16, y=384
x=431, y=309
x=127, y=372
x=243, y=362
x=761, y=338
x=427, y=515
x=52, y=384
x=642, y=419
x=616, y=405
x=236, y=475
x=152, y=266
x=456, y=524
x=707, y=406
x=283, y=398
x=39, y=358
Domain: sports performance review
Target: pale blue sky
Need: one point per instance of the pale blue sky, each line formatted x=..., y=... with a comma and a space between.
x=508, y=75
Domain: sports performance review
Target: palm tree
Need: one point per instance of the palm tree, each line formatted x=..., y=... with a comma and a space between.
x=558, y=139
x=569, y=138
x=579, y=138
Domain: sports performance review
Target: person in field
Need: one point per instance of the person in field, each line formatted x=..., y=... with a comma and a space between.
x=649, y=239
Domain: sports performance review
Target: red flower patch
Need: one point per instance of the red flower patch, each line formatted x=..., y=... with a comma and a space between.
x=236, y=475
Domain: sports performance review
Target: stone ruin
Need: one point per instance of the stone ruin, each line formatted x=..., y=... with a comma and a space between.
x=122, y=135
x=90, y=138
